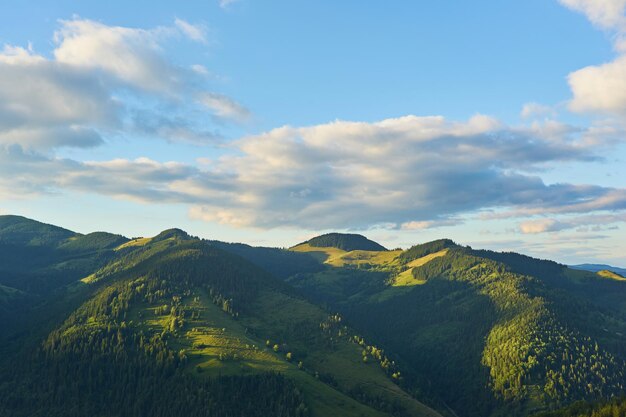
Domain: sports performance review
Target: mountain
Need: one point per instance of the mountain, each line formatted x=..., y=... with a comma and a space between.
x=17, y=230
x=102, y=325
x=343, y=241
x=599, y=267
x=173, y=325
x=482, y=332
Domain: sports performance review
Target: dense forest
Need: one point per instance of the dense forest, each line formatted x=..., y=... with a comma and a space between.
x=347, y=242
x=487, y=332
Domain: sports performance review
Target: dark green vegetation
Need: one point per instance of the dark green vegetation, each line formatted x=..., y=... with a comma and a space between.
x=347, y=242
x=614, y=408
x=173, y=325
x=485, y=333
x=279, y=262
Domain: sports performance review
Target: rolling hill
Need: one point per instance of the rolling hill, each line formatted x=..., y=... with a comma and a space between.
x=535, y=334
x=102, y=325
x=183, y=325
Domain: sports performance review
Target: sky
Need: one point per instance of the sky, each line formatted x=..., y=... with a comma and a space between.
x=500, y=125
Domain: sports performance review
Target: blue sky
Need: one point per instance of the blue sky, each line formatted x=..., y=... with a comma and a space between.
x=500, y=125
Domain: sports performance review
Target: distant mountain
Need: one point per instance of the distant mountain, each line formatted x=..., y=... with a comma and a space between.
x=599, y=267
x=344, y=241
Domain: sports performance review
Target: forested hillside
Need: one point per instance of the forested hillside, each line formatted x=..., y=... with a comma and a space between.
x=173, y=325
x=486, y=333
x=102, y=325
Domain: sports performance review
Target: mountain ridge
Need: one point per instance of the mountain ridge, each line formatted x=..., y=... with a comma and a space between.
x=353, y=332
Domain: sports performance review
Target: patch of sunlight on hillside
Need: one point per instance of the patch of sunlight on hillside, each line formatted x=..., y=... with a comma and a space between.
x=142, y=241
x=611, y=275
x=405, y=278
x=322, y=254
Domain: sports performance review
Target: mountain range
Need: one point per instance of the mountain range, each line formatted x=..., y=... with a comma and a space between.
x=103, y=325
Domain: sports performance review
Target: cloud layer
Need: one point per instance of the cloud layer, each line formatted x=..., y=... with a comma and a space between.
x=601, y=88
x=409, y=172
x=104, y=79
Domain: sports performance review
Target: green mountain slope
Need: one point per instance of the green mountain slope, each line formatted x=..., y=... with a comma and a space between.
x=485, y=333
x=182, y=325
x=20, y=231
x=101, y=325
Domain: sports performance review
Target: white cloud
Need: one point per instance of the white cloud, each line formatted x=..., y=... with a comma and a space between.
x=530, y=110
x=200, y=69
x=193, y=32
x=601, y=88
x=429, y=224
x=224, y=107
x=606, y=14
x=418, y=172
x=37, y=94
x=225, y=3
x=539, y=226
x=105, y=80
x=131, y=55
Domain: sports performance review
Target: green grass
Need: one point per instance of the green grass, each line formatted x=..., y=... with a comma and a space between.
x=356, y=258
x=343, y=361
x=142, y=241
x=214, y=334
x=217, y=344
x=406, y=278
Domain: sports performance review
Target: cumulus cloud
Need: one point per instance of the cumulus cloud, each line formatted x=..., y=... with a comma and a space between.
x=99, y=80
x=49, y=98
x=606, y=14
x=410, y=170
x=601, y=88
x=130, y=55
x=416, y=172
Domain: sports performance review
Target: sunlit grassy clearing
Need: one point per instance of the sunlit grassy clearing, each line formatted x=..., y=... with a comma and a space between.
x=142, y=241
x=611, y=275
x=406, y=278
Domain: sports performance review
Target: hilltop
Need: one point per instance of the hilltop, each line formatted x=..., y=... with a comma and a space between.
x=344, y=241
